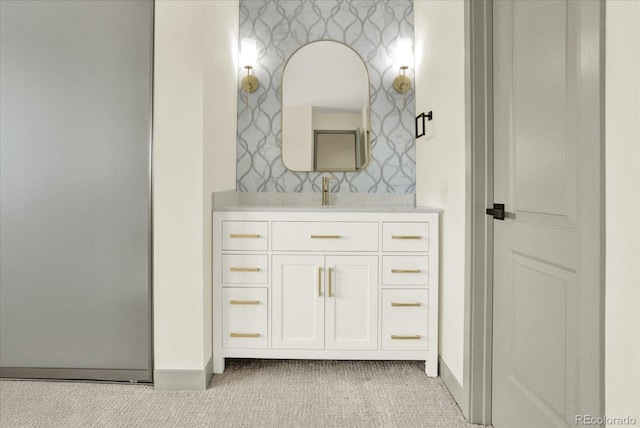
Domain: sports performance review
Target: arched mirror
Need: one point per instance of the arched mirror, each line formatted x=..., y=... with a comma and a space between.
x=325, y=109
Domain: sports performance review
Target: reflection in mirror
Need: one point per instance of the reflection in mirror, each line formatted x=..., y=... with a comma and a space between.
x=325, y=109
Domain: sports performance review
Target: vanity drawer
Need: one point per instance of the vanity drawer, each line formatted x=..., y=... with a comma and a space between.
x=244, y=318
x=244, y=269
x=324, y=236
x=244, y=235
x=405, y=319
x=405, y=270
x=405, y=236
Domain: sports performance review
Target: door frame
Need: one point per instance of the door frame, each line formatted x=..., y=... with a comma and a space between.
x=478, y=305
x=475, y=399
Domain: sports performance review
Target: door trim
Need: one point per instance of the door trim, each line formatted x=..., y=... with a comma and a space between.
x=475, y=397
x=479, y=244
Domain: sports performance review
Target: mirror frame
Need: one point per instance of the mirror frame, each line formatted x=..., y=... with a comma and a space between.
x=367, y=132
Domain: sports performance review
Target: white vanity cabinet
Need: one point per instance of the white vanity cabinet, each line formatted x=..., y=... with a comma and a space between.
x=325, y=284
x=325, y=302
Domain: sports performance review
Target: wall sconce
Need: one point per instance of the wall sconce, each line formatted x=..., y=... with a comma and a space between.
x=248, y=58
x=403, y=56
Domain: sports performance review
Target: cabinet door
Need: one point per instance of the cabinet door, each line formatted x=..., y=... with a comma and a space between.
x=298, y=302
x=351, y=302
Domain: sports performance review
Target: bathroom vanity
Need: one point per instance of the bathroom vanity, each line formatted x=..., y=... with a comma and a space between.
x=303, y=281
x=325, y=283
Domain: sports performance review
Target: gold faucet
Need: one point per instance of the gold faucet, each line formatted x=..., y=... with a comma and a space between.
x=325, y=190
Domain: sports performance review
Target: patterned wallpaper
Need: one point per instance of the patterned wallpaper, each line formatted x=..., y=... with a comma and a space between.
x=370, y=28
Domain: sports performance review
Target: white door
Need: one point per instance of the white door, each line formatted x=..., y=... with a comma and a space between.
x=298, y=302
x=546, y=340
x=351, y=302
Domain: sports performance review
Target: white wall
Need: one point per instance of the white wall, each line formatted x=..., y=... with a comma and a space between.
x=440, y=157
x=622, y=322
x=220, y=126
x=178, y=185
x=338, y=121
x=195, y=87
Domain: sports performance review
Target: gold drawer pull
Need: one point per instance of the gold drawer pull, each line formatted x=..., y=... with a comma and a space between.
x=406, y=270
x=325, y=236
x=244, y=235
x=405, y=304
x=330, y=282
x=241, y=269
x=406, y=237
x=248, y=335
x=398, y=337
x=244, y=302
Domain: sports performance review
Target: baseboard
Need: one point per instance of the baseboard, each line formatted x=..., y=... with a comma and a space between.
x=108, y=375
x=454, y=387
x=208, y=372
x=189, y=379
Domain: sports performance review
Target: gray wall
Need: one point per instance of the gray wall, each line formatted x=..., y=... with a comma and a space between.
x=75, y=169
x=371, y=29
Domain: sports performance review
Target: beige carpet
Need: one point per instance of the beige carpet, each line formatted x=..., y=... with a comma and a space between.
x=250, y=393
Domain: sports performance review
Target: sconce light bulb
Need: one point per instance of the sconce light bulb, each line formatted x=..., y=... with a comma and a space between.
x=403, y=53
x=248, y=52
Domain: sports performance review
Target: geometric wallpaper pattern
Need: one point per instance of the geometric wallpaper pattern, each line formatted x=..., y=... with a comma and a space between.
x=370, y=28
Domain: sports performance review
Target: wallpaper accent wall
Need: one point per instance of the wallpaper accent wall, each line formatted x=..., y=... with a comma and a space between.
x=370, y=28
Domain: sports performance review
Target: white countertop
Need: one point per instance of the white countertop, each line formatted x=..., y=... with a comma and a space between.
x=330, y=208
x=311, y=202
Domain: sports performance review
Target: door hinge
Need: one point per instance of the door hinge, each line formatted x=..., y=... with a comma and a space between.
x=497, y=211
